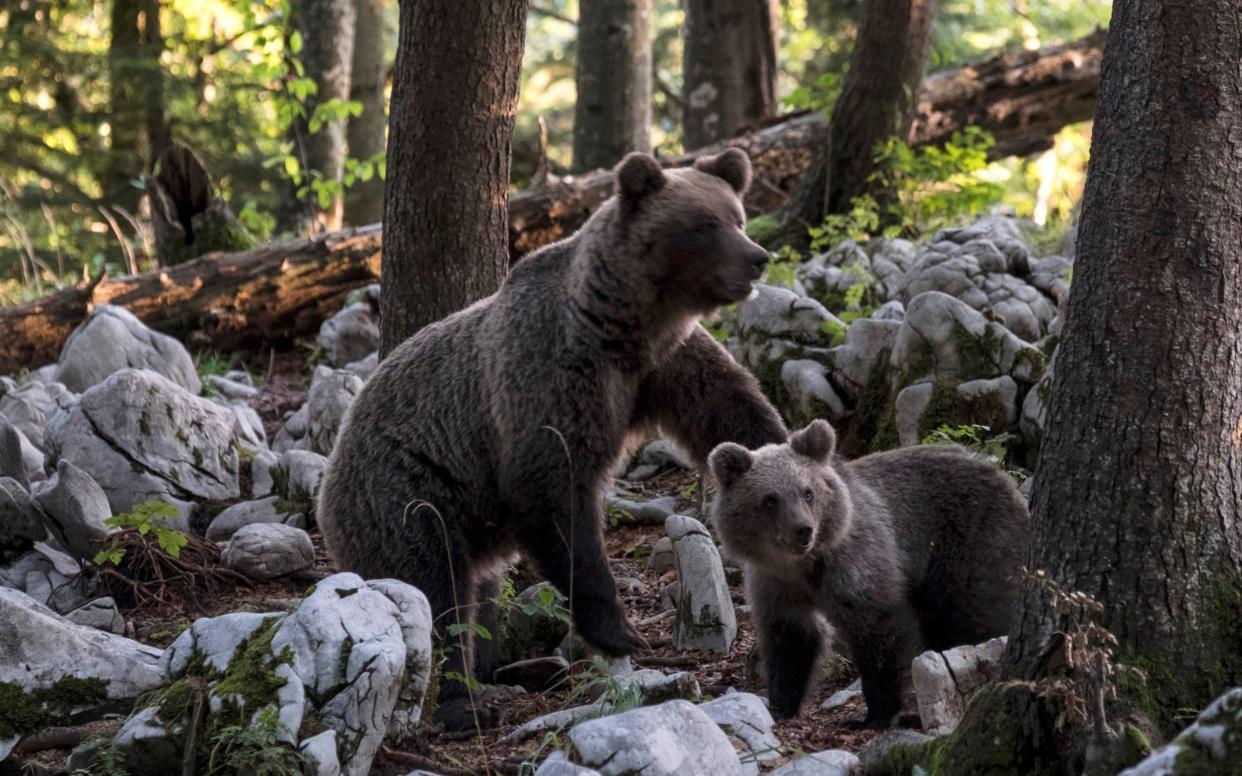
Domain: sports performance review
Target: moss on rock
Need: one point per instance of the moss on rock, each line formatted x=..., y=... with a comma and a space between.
x=23, y=711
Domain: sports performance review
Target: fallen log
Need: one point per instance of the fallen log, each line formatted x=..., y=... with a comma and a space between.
x=233, y=301
x=285, y=289
x=1022, y=97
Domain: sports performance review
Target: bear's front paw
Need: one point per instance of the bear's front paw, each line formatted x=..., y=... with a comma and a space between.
x=869, y=723
x=614, y=637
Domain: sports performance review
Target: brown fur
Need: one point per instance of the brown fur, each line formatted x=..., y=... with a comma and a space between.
x=903, y=551
x=493, y=431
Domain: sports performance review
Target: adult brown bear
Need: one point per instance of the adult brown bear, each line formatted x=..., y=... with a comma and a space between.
x=496, y=429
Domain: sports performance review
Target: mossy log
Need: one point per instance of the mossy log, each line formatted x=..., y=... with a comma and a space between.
x=231, y=301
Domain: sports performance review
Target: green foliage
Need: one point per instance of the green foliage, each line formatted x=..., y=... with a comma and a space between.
x=763, y=229
x=23, y=712
x=548, y=602
x=859, y=225
x=935, y=186
x=254, y=747
x=146, y=518
x=995, y=447
x=782, y=267
x=820, y=96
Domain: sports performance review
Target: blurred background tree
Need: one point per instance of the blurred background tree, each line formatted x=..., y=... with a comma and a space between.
x=90, y=92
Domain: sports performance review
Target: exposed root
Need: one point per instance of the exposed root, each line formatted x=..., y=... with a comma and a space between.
x=148, y=577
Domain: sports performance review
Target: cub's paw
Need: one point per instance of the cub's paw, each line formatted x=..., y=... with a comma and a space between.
x=458, y=715
x=868, y=723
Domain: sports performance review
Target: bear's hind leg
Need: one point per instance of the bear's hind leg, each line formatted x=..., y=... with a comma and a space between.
x=789, y=642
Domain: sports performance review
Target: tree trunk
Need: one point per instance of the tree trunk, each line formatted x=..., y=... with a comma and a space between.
x=612, y=114
x=223, y=301
x=1137, y=495
x=729, y=67
x=450, y=136
x=327, y=28
x=138, y=129
x=364, y=202
x=878, y=100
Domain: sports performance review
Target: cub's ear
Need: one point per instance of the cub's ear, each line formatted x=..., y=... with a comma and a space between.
x=732, y=166
x=729, y=462
x=817, y=441
x=638, y=176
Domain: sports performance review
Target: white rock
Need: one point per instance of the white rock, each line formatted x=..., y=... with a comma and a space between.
x=672, y=739
x=112, y=339
x=320, y=751
x=230, y=389
x=352, y=333
x=944, y=681
x=268, y=550
x=20, y=524
x=39, y=647
x=833, y=762
x=263, y=468
x=264, y=510
x=26, y=406
x=1211, y=744
x=811, y=395
x=142, y=438
x=74, y=509
x=559, y=765
x=314, y=426
x=842, y=697
x=101, y=614
x=19, y=458
x=305, y=469
x=705, y=616
x=745, y=716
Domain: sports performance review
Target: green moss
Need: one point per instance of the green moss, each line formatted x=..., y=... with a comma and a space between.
x=1048, y=345
x=874, y=427
x=943, y=408
x=918, y=365
x=251, y=675
x=1007, y=729
x=198, y=456
x=214, y=230
x=765, y=229
x=976, y=353
x=1034, y=358
x=23, y=712
x=1137, y=740
x=144, y=424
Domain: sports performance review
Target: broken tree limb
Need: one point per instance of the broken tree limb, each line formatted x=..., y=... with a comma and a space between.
x=233, y=301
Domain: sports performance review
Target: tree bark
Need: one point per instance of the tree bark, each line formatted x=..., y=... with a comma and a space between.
x=450, y=136
x=327, y=28
x=877, y=101
x=364, y=202
x=224, y=301
x=138, y=129
x=729, y=67
x=612, y=114
x=1137, y=494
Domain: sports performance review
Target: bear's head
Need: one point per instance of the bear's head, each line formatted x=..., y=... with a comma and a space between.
x=690, y=226
x=781, y=502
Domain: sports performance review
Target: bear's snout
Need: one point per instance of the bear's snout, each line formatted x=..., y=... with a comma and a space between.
x=758, y=260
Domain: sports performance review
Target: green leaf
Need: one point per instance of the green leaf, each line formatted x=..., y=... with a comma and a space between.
x=295, y=42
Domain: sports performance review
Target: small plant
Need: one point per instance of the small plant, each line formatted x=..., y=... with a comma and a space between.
x=255, y=748
x=783, y=266
x=547, y=602
x=935, y=186
x=208, y=364
x=147, y=519
x=820, y=96
x=975, y=437
x=859, y=225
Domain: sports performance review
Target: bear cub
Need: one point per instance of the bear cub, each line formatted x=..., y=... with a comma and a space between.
x=901, y=551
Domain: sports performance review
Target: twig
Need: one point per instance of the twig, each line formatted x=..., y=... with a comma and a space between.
x=189, y=759
x=551, y=14
x=418, y=762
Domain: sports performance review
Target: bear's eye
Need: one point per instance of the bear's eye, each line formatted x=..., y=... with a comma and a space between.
x=808, y=496
x=769, y=501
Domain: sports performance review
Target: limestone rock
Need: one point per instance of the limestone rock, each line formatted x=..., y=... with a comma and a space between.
x=944, y=681
x=745, y=717
x=353, y=332
x=101, y=614
x=268, y=550
x=20, y=524
x=142, y=438
x=705, y=616
x=833, y=762
x=26, y=406
x=112, y=339
x=1212, y=743
x=673, y=739
x=264, y=510
x=74, y=508
x=19, y=458
x=314, y=426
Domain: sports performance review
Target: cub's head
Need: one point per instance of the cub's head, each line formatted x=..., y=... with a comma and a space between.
x=690, y=224
x=780, y=502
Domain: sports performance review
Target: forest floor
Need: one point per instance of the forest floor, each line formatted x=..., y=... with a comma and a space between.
x=282, y=388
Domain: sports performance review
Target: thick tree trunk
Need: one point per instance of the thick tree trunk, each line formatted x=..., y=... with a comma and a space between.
x=729, y=67
x=1137, y=497
x=450, y=136
x=878, y=100
x=364, y=202
x=612, y=115
x=327, y=28
x=223, y=301
x=138, y=127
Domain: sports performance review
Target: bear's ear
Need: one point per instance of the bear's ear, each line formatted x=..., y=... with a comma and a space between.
x=729, y=462
x=817, y=441
x=638, y=176
x=732, y=166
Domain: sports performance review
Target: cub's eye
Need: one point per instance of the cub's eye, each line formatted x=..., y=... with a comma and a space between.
x=808, y=496
x=769, y=501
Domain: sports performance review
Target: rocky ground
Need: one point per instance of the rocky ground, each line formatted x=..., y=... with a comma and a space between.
x=169, y=608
